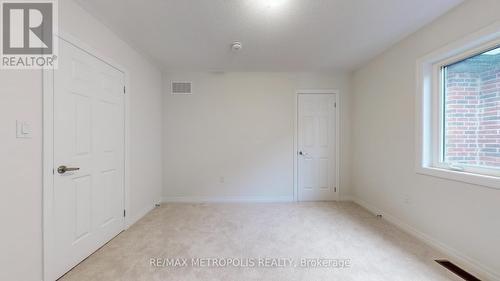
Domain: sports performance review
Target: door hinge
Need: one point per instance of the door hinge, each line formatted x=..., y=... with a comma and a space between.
x=335, y=105
x=124, y=213
x=124, y=89
x=334, y=189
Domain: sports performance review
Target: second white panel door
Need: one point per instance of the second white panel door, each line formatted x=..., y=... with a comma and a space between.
x=316, y=145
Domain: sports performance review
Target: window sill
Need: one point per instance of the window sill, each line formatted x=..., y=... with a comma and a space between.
x=465, y=177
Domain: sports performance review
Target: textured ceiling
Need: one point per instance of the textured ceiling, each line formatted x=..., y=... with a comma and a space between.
x=277, y=35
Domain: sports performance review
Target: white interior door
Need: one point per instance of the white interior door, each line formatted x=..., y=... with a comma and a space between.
x=88, y=202
x=316, y=147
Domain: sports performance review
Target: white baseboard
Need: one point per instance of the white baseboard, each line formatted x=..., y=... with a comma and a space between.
x=455, y=256
x=227, y=199
x=136, y=217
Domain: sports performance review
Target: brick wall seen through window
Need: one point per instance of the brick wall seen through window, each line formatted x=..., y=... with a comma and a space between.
x=472, y=111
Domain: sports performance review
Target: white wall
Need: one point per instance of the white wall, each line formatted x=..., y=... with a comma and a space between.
x=464, y=217
x=20, y=177
x=21, y=159
x=239, y=126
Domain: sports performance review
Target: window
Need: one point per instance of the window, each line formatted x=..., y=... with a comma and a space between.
x=458, y=110
x=470, y=112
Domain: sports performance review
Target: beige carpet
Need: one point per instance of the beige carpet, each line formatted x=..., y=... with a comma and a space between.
x=352, y=243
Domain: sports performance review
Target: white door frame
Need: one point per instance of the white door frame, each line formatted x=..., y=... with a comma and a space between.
x=296, y=140
x=48, y=150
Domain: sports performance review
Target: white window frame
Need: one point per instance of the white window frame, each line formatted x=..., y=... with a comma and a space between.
x=429, y=115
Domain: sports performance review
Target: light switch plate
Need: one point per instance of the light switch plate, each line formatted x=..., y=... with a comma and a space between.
x=23, y=130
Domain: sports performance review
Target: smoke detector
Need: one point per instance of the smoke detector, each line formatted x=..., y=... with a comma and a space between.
x=236, y=46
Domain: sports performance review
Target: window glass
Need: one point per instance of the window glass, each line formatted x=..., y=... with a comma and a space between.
x=471, y=107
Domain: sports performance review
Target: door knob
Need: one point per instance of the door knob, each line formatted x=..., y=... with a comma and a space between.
x=64, y=169
x=301, y=153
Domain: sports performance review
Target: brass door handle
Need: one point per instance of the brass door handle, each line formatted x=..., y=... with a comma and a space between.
x=64, y=169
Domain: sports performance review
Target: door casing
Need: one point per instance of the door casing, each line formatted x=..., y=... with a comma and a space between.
x=48, y=148
x=296, y=137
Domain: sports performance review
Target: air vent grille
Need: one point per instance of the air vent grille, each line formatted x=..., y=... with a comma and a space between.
x=457, y=270
x=181, y=88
